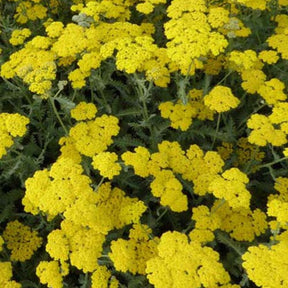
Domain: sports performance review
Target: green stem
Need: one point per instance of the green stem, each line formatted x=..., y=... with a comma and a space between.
x=217, y=130
x=162, y=214
x=100, y=183
x=222, y=202
x=207, y=81
x=224, y=78
x=51, y=99
x=144, y=94
x=272, y=163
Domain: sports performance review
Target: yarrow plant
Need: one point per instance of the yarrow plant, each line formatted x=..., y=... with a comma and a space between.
x=143, y=143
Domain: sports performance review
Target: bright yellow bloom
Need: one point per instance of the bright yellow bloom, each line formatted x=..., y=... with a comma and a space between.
x=138, y=160
x=94, y=136
x=179, y=114
x=179, y=262
x=21, y=241
x=268, y=56
x=272, y=91
x=231, y=186
x=131, y=255
x=221, y=99
x=252, y=80
x=106, y=163
x=6, y=275
x=263, y=131
x=18, y=36
x=266, y=266
x=84, y=111
x=49, y=273
x=58, y=245
x=169, y=189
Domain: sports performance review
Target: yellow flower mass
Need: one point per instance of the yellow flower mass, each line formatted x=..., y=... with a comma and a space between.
x=221, y=99
x=21, y=241
x=124, y=177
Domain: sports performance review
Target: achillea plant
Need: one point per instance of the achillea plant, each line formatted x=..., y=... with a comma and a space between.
x=143, y=143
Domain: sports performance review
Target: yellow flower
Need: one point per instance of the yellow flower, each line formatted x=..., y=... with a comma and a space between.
x=84, y=111
x=241, y=223
x=105, y=162
x=179, y=262
x=268, y=56
x=15, y=123
x=100, y=277
x=272, y=91
x=58, y=245
x=54, y=29
x=263, y=131
x=218, y=16
x=265, y=265
x=131, y=255
x=94, y=136
x=138, y=160
x=21, y=241
x=231, y=186
x=169, y=189
x=254, y=4
x=240, y=61
x=49, y=273
x=252, y=80
x=221, y=99
x=18, y=36
x=179, y=114
x=6, y=275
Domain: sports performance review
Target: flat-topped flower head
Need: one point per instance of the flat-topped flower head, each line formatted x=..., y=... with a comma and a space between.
x=221, y=99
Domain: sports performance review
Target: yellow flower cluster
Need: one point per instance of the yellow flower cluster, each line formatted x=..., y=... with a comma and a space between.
x=11, y=125
x=263, y=130
x=278, y=203
x=101, y=211
x=205, y=224
x=131, y=255
x=278, y=41
x=84, y=111
x=106, y=210
x=221, y=99
x=21, y=241
x=6, y=275
x=190, y=34
x=241, y=223
x=266, y=266
x=94, y=136
x=105, y=162
x=231, y=186
x=19, y=36
x=172, y=159
x=29, y=10
x=246, y=60
x=179, y=262
x=49, y=273
x=34, y=64
x=101, y=276
x=181, y=115
x=52, y=192
x=247, y=152
x=148, y=6
x=254, y=4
